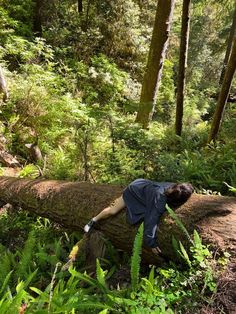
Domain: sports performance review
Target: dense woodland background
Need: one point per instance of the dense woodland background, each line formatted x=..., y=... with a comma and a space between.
x=74, y=72
x=106, y=92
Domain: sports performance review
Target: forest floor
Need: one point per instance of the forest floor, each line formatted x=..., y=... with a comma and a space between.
x=224, y=300
x=226, y=294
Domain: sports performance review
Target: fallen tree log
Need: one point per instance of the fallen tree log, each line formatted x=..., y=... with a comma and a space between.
x=72, y=204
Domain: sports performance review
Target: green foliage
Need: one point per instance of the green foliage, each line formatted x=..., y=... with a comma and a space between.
x=37, y=246
x=5, y=263
x=76, y=90
x=201, y=261
x=22, y=13
x=6, y=25
x=136, y=258
x=60, y=165
x=82, y=111
x=29, y=171
x=20, y=51
x=178, y=222
x=165, y=103
x=101, y=275
x=176, y=289
x=47, y=289
x=26, y=256
x=107, y=80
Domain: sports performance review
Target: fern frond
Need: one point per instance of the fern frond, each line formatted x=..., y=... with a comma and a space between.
x=83, y=277
x=26, y=256
x=184, y=254
x=175, y=244
x=151, y=276
x=5, y=266
x=179, y=223
x=5, y=283
x=136, y=258
x=101, y=274
x=87, y=305
x=197, y=240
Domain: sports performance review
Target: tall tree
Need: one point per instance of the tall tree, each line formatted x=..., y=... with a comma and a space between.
x=80, y=6
x=157, y=52
x=86, y=22
x=224, y=93
x=183, y=55
x=37, y=17
x=229, y=45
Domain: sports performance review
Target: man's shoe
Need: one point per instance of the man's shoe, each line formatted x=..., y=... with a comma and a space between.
x=89, y=225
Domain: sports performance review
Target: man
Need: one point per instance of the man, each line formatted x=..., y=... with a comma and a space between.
x=146, y=201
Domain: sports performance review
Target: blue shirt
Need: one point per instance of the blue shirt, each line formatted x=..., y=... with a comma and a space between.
x=145, y=201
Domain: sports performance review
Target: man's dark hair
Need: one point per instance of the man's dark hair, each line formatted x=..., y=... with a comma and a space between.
x=178, y=194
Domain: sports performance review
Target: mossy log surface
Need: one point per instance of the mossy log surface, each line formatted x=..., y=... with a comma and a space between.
x=72, y=204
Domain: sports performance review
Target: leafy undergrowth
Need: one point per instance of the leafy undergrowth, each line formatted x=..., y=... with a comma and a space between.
x=33, y=251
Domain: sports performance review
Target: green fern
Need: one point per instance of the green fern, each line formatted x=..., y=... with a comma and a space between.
x=101, y=275
x=12, y=300
x=23, y=268
x=197, y=240
x=106, y=311
x=5, y=266
x=29, y=171
x=151, y=276
x=184, y=254
x=175, y=244
x=179, y=223
x=5, y=283
x=58, y=248
x=83, y=277
x=136, y=258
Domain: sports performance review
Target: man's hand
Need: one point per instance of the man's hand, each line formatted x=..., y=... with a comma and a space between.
x=156, y=250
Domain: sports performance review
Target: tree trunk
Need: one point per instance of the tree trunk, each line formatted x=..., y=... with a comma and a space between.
x=80, y=6
x=157, y=52
x=229, y=46
x=224, y=93
x=182, y=65
x=37, y=18
x=72, y=204
x=85, y=24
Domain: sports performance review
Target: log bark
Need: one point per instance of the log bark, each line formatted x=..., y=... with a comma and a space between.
x=72, y=204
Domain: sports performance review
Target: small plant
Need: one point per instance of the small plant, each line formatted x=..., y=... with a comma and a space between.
x=30, y=171
x=231, y=188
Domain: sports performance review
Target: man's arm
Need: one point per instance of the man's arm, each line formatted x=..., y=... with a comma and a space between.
x=155, y=208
